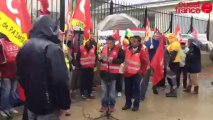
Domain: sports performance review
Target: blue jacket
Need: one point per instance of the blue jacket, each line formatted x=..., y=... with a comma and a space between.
x=153, y=50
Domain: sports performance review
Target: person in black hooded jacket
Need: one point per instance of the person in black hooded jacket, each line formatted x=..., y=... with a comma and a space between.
x=193, y=66
x=42, y=72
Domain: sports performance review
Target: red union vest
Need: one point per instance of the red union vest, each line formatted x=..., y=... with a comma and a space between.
x=9, y=51
x=87, y=59
x=113, y=68
x=132, y=62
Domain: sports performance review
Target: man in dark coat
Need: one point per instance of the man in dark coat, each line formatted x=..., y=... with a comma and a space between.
x=42, y=72
x=193, y=64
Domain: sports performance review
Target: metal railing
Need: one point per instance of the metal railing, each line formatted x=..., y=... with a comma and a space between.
x=164, y=21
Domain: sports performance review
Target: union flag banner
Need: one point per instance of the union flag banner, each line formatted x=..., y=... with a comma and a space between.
x=79, y=14
x=15, y=21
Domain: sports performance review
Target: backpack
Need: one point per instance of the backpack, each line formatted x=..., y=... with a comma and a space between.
x=8, y=51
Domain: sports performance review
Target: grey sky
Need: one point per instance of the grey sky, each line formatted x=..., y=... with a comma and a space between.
x=138, y=1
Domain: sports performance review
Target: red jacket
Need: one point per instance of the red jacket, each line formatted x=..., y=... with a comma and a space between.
x=8, y=70
x=144, y=58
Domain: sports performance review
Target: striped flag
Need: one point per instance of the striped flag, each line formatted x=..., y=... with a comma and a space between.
x=148, y=30
x=68, y=25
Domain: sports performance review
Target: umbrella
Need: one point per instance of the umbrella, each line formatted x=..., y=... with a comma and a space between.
x=118, y=21
x=202, y=45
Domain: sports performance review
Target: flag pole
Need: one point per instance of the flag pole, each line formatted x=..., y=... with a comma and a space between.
x=62, y=14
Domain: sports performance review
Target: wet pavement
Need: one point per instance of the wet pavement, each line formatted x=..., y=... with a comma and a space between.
x=156, y=107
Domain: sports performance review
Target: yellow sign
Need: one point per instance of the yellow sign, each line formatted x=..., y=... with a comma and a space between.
x=12, y=30
x=78, y=23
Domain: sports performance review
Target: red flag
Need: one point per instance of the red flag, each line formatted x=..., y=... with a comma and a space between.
x=116, y=34
x=178, y=32
x=15, y=21
x=69, y=18
x=194, y=33
x=44, y=7
x=79, y=14
x=87, y=21
x=86, y=33
x=158, y=63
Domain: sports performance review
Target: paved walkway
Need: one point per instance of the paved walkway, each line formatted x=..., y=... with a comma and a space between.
x=156, y=107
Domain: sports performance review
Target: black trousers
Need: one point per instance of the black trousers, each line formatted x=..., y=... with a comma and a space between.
x=87, y=75
x=132, y=90
x=119, y=83
x=75, y=81
x=184, y=71
x=25, y=114
x=174, y=68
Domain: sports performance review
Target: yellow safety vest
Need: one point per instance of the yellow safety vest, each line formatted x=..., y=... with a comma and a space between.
x=67, y=61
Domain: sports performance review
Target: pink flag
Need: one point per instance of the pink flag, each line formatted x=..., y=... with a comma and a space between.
x=194, y=33
x=178, y=32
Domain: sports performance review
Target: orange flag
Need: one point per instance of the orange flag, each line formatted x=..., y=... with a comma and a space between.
x=15, y=21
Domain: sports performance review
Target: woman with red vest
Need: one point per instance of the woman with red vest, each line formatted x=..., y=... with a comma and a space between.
x=86, y=60
x=111, y=58
x=135, y=66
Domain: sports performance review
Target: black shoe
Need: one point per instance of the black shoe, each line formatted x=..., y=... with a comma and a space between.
x=126, y=107
x=172, y=93
x=155, y=91
x=135, y=109
x=142, y=99
x=91, y=96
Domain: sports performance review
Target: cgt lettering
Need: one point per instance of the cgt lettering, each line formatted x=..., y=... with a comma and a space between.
x=79, y=24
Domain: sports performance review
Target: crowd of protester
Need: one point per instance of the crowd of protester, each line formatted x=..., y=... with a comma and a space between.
x=47, y=68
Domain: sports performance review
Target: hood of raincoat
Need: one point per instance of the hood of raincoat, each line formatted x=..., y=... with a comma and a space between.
x=171, y=38
x=45, y=28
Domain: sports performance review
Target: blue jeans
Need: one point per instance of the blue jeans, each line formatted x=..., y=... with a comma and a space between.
x=132, y=90
x=108, y=93
x=8, y=87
